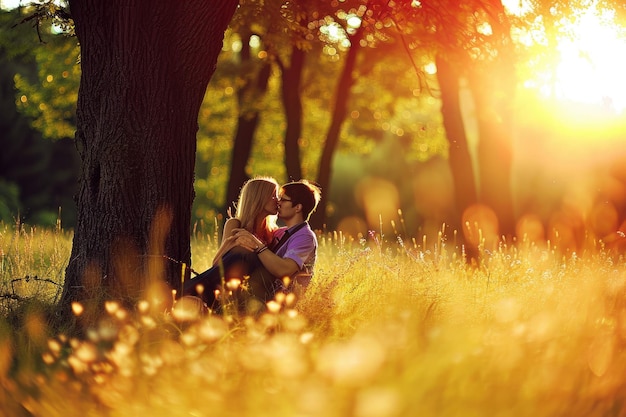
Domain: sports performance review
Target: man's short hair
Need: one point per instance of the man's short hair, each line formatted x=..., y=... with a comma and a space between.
x=305, y=193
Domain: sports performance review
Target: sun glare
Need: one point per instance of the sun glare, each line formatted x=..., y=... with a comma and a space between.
x=517, y=7
x=592, y=61
x=588, y=60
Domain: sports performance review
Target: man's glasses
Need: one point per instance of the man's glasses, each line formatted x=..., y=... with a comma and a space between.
x=284, y=199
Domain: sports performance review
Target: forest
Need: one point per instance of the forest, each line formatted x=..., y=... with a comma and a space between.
x=397, y=114
x=469, y=241
x=490, y=120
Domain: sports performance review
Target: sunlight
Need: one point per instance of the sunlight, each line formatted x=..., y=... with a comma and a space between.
x=430, y=68
x=10, y=4
x=587, y=63
x=333, y=31
x=517, y=7
x=592, y=61
x=13, y=4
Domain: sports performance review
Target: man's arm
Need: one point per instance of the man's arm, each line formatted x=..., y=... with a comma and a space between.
x=277, y=266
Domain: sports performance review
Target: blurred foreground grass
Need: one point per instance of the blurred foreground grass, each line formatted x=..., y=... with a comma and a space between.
x=386, y=329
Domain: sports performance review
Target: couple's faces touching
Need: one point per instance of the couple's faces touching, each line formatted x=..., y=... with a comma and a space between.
x=281, y=204
x=271, y=205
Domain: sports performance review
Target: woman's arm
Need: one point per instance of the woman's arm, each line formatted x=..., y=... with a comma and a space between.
x=227, y=242
x=230, y=225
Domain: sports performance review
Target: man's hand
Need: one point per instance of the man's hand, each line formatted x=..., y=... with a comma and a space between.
x=246, y=240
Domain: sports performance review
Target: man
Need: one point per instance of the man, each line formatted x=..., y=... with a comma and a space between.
x=287, y=263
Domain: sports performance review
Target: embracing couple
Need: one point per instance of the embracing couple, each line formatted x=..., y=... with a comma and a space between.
x=274, y=258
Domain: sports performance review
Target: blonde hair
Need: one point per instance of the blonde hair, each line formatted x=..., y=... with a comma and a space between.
x=252, y=198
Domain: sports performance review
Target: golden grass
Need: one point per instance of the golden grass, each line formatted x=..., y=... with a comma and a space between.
x=384, y=330
x=32, y=263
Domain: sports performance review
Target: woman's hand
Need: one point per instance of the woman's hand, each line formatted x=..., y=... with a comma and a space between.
x=246, y=240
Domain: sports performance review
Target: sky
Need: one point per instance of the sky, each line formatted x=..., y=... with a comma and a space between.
x=12, y=4
x=9, y=4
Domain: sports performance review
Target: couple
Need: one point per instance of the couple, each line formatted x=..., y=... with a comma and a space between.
x=275, y=258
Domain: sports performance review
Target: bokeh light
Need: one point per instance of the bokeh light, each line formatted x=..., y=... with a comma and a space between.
x=480, y=226
x=380, y=200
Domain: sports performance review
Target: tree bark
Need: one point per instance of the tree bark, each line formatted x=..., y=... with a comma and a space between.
x=459, y=156
x=342, y=94
x=145, y=69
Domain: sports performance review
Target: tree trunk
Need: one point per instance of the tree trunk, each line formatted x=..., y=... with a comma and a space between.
x=292, y=102
x=342, y=93
x=249, y=95
x=459, y=156
x=145, y=69
x=495, y=155
x=493, y=89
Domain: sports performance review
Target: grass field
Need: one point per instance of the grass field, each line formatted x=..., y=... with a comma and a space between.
x=387, y=328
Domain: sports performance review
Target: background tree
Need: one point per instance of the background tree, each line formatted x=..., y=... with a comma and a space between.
x=302, y=43
x=278, y=27
x=458, y=150
x=291, y=77
x=471, y=43
x=493, y=82
x=340, y=109
x=254, y=77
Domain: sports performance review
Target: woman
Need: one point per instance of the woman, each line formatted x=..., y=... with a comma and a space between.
x=256, y=211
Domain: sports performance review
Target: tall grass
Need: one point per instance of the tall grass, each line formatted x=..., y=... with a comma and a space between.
x=387, y=328
x=32, y=263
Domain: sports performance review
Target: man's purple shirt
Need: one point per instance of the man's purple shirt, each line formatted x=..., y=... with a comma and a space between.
x=301, y=247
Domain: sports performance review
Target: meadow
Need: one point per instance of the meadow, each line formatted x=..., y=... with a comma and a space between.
x=389, y=327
